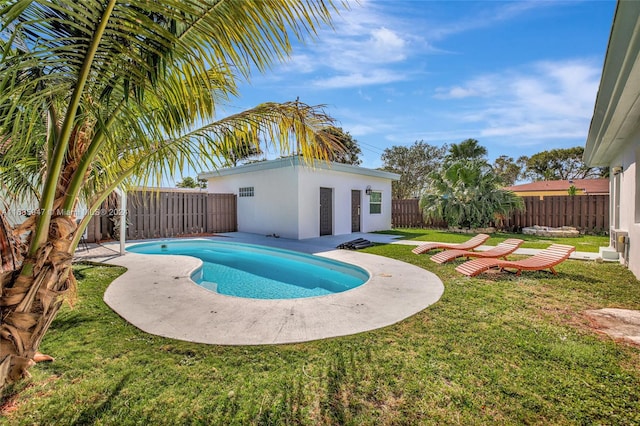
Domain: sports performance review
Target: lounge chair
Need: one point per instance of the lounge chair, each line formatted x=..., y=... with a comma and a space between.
x=467, y=245
x=501, y=250
x=545, y=259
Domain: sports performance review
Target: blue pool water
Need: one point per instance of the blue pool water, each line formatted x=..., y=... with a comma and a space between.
x=260, y=272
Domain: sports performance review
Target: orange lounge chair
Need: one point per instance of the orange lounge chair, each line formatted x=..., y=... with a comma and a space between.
x=501, y=250
x=467, y=245
x=545, y=259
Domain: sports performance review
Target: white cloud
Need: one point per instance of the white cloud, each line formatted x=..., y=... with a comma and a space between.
x=478, y=87
x=456, y=92
x=364, y=96
x=361, y=129
x=378, y=46
x=301, y=63
x=366, y=47
x=482, y=18
x=370, y=46
x=357, y=79
x=548, y=100
x=387, y=45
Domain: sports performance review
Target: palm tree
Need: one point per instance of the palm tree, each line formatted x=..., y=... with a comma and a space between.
x=468, y=194
x=99, y=94
x=468, y=149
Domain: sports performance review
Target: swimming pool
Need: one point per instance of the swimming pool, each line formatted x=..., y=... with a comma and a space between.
x=260, y=272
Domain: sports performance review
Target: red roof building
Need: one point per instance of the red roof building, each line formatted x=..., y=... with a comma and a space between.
x=561, y=187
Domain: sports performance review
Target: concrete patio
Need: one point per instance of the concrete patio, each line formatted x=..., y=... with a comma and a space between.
x=157, y=296
x=153, y=294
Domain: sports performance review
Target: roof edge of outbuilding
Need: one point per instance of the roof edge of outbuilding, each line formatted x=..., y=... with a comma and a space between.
x=296, y=161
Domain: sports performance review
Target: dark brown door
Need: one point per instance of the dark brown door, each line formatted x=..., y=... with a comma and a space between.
x=326, y=210
x=355, y=210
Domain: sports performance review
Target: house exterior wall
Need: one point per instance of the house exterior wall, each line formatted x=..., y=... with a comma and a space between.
x=311, y=180
x=626, y=200
x=614, y=133
x=272, y=209
x=286, y=198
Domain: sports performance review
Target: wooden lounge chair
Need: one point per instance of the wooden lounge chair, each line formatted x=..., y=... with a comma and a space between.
x=545, y=259
x=501, y=250
x=467, y=245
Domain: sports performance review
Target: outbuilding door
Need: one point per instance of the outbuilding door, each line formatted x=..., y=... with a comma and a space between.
x=326, y=211
x=355, y=210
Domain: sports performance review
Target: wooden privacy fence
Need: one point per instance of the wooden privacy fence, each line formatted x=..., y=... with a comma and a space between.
x=167, y=213
x=406, y=214
x=588, y=213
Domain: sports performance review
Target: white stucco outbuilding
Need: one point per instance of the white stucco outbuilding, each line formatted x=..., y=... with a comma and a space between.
x=292, y=199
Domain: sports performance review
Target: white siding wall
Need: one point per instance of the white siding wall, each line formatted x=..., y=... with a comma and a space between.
x=311, y=180
x=287, y=200
x=272, y=209
x=629, y=188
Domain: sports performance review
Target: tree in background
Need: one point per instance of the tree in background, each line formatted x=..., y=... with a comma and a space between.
x=507, y=169
x=349, y=150
x=190, y=182
x=242, y=149
x=561, y=164
x=468, y=194
x=414, y=164
x=469, y=149
x=98, y=95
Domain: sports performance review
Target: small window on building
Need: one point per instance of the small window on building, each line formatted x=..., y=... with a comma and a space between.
x=247, y=191
x=375, y=202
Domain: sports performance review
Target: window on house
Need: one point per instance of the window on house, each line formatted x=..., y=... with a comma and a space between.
x=375, y=202
x=247, y=191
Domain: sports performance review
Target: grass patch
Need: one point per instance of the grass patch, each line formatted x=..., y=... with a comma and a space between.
x=588, y=243
x=494, y=350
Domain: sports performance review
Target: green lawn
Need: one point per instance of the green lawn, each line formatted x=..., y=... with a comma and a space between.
x=588, y=243
x=498, y=349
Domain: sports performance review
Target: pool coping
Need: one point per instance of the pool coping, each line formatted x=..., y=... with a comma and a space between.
x=157, y=296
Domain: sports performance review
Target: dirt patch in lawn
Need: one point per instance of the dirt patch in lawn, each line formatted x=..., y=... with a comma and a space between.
x=620, y=324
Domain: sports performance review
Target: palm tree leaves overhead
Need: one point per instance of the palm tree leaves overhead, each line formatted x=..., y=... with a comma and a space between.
x=99, y=93
x=48, y=43
x=136, y=75
x=274, y=123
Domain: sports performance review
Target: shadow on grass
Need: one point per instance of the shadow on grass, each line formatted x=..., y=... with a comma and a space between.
x=495, y=275
x=93, y=413
x=71, y=321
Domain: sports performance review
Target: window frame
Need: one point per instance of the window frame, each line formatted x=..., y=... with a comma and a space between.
x=246, y=191
x=377, y=203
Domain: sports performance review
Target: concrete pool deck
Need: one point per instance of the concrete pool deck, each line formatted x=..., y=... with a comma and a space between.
x=157, y=296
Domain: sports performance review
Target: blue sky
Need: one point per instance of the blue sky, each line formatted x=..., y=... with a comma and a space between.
x=520, y=77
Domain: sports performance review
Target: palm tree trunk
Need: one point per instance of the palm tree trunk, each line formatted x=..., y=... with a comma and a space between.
x=31, y=293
